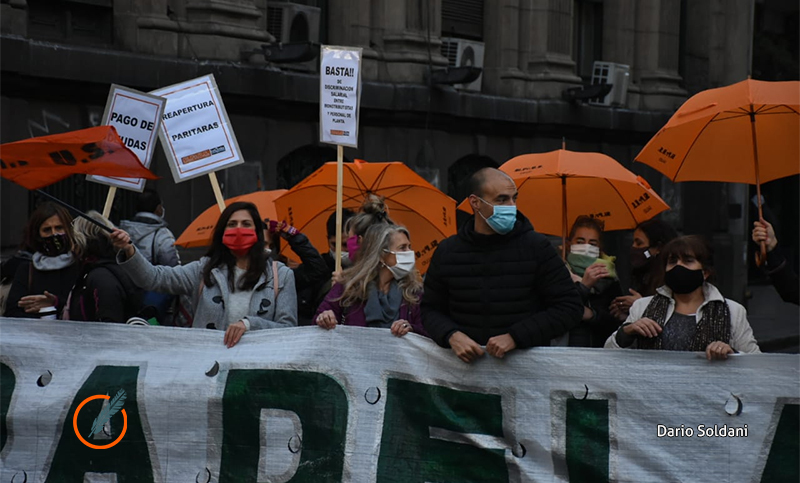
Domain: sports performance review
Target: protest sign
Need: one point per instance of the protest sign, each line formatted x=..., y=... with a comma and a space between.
x=136, y=116
x=339, y=99
x=195, y=130
x=41, y=161
x=359, y=404
x=339, y=95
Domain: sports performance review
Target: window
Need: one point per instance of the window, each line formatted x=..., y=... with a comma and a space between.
x=462, y=19
x=72, y=21
x=587, y=45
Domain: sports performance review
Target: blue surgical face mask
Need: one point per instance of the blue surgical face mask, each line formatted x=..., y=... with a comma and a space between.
x=503, y=219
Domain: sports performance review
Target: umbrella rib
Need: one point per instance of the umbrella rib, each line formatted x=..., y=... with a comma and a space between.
x=683, y=162
x=378, y=179
x=358, y=181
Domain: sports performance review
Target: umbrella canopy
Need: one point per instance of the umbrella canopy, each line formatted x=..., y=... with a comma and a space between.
x=747, y=132
x=428, y=213
x=38, y=162
x=201, y=230
x=557, y=187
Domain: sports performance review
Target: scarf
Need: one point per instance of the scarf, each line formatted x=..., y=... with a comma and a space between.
x=381, y=308
x=714, y=325
x=48, y=264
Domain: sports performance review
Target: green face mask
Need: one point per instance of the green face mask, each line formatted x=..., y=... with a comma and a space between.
x=580, y=263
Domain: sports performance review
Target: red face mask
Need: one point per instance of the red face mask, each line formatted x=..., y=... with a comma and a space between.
x=239, y=240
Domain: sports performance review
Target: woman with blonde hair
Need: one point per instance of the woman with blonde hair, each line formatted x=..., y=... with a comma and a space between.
x=103, y=292
x=382, y=289
x=373, y=212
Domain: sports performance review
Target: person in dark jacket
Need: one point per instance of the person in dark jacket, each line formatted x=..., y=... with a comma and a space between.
x=149, y=231
x=782, y=276
x=497, y=282
x=104, y=292
x=330, y=256
x=647, y=266
x=45, y=280
x=308, y=275
x=595, y=277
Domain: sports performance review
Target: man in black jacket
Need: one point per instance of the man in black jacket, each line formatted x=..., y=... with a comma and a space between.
x=497, y=282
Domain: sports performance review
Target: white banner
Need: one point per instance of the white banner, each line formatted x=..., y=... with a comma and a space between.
x=360, y=405
x=339, y=95
x=195, y=131
x=137, y=117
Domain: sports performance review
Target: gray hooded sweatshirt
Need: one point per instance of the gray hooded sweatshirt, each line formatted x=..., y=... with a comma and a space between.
x=152, y=238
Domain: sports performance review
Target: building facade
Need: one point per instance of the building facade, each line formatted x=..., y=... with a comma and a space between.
x=59, y=58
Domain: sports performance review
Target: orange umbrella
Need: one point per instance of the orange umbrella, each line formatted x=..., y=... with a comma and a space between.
x=748, y=132
x=591, y=184
x=428, y=213
x=201, y=230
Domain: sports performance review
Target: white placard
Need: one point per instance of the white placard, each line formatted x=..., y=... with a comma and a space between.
x=196, y=133
x=339, y=95
x=136, y=117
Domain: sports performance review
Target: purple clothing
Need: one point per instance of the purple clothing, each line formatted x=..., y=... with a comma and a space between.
x=355, y=316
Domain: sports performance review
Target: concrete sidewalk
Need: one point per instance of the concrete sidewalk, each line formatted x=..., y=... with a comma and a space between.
x=776, y=324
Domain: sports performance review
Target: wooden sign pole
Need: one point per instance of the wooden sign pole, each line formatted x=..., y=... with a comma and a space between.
x=217, y=192
x=339, y=176
x=112, y=192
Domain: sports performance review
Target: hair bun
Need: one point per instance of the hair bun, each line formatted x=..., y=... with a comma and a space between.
x=374, y=205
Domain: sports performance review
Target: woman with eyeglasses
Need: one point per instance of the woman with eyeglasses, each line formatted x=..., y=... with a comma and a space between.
x=382, y=289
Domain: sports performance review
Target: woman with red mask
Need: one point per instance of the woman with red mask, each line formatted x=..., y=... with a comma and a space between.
x=233, y=288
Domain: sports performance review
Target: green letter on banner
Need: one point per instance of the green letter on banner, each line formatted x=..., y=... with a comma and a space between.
x=7, y=385
x=409, y=454
x=319, y=402
x=129, y=459
x=587, y=440
x=782, y=462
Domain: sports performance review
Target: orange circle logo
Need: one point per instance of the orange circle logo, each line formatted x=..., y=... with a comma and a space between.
x=78, y=434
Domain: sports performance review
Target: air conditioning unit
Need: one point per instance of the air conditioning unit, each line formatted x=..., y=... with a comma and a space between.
x=618, y=75
x=463, y=53
x=291, y=22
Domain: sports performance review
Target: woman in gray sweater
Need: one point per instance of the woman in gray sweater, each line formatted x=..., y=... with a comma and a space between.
x=233, y=287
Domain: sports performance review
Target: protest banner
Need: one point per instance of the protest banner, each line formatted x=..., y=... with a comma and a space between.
x=339, y=100
x=41, y=161
x=358, y=404
x=136, y=116
x=196, y=133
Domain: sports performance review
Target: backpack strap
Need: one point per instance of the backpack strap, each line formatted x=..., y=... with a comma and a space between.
x=30, y=276
x=275, y=279
x=153, y=256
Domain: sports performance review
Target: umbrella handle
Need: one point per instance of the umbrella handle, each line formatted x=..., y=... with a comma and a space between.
x=761, y=255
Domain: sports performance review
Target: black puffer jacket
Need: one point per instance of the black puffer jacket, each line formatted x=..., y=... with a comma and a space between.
x=488, y=285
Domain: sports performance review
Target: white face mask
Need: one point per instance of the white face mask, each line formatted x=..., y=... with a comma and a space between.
x=585, y=249
x=405, y=263
x=163, y=212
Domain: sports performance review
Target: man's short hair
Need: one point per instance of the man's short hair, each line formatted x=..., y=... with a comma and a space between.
x=478, y=180
x=147, y=201
x=331, y=225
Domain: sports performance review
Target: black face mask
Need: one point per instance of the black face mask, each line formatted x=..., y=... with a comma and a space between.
x=640, y=257
x=683, y=280
x=55, y=245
